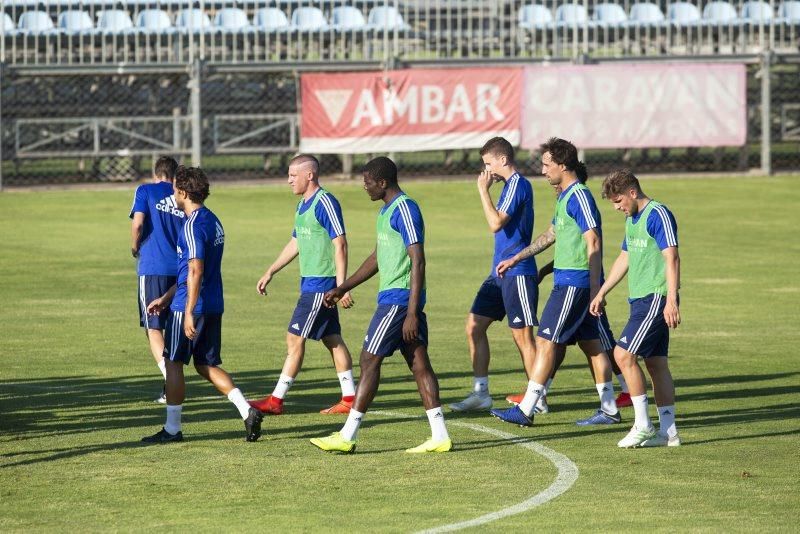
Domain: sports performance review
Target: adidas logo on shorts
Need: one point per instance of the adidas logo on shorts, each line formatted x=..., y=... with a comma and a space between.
x=546, y=331
x=296, y=326
x=623, y=339
x=516, y=320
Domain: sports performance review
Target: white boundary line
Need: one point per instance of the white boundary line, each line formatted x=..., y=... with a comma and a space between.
x=565, y=478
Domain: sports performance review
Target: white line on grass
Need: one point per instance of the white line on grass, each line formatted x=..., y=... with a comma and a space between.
x=566, y=477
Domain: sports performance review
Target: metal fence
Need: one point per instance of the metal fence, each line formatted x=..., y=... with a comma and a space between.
x=87, y=32
x=66, y=126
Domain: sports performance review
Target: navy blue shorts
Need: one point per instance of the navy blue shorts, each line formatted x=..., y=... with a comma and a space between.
x=206, y=346
x=385, y=333
x=646, y=333
x=566, y=316
x=514, y=296
x=312, y=320
x=606, y=335
x=152, y=286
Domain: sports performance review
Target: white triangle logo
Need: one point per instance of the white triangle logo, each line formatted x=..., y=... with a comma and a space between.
x=333, y=102
x=296, y=326
x=624, y=339
x=517, y=320
x=546, y=331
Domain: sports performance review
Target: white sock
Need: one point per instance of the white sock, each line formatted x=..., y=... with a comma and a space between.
x=436, y=419
x=162, y=366
x=346, y=382
x=547, y=385
x=282, y=387
x=642, y=420
x=666, y=418
x=532, y=395
x=480, y=384
x=350, y=428
x=623, y=386
x=607, y=402
x=236, y=397
x=173, y=424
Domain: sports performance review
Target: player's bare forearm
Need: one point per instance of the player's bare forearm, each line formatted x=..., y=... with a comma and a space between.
x=542, y=242
x=493, y=217
x=286, y=256
x=137, y=229
x=617, y=273
x=672, y=270
x=593, y=253
x=193, y=282
x=367, y=270
x=417, y=254
x=340, y=258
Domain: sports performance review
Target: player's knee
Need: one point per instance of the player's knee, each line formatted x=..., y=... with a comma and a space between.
x=474, y=329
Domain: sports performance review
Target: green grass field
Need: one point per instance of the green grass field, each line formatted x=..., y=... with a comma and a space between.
x=77, y=382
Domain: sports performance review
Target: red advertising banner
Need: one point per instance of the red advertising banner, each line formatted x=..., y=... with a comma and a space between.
x=636, y=105
x=409, y=110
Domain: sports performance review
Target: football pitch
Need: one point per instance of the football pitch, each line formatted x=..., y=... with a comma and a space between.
x=77, y=382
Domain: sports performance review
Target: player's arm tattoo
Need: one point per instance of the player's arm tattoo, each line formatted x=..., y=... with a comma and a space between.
x=543, y=242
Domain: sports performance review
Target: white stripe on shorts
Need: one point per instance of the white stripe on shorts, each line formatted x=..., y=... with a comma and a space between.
x=380, y=332
x=522, y=291
x=143, y=301
x=565, y=309
x=634, y=345
x=312, y=316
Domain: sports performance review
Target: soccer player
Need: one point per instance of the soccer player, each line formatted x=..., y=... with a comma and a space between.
x=156, y=221
x=577, y=271
x=194, y=328
x=399, y=321
x=319, y=239
x=516, y=295
x=650, y=258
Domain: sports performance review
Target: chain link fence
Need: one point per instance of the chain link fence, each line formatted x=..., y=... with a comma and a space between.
x=69, y=127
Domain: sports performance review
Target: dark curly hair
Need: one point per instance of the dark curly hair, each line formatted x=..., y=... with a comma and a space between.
x=564, y=153
x=194, y=182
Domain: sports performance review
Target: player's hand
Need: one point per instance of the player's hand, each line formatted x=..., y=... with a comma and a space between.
x=504, y=266
x=672, y=314
x=157, y=306
x=134, y=252
x=332, y=297
x=598, y=305
x=410, y=328
x=261, y=286
x=347, y=301
x=188, y=326
x=485, y=180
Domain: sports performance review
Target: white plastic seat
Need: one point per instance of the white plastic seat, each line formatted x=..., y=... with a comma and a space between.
x=192, y=21
x=75, y=22
x=347, y=18
x=114, y=21
x=683, y=15
x=153, y=21
x=534, y=17
x=609, y=15
x=270, y=19
x=232, y=20
x=719, y=14
x=35, y=23
x=308, y=19
x=386, y=18
x=645, y=15
x=570, y=16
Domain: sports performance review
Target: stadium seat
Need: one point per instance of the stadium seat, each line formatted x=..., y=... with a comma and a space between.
x=719, y=14
x=192, y=21
x=683, y=15
x=645, y=15
x=756, y=12
x=114, y=21
x=75, y=22
x=789, y=12
x=534, y=17
x=308, y=19
x=347, y=18
x=386, y=18
x=153, y=21
x=570, y=15
x=35, y=22
x=9, y=30
x=232, y=20
x=270, y=19
x=609, y=15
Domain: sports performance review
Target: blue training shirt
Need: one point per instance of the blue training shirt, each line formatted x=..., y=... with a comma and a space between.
x=661, y=226
x=516, y=200
x=583, y=210
x=329, y=215
x=407, y=220
x=202, y=238
x=162, y=223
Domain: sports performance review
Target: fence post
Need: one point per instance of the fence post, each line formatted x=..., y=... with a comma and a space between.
x=766, y=112
x=197, y=131
x=2, y=68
